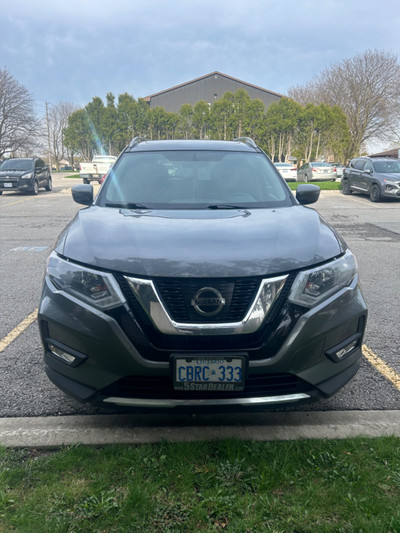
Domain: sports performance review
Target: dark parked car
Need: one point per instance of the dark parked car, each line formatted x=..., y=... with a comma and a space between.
x=373, y=176
x=26, y=174
x=195, y=279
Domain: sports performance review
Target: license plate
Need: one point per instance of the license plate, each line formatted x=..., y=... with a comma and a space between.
x=209, y=373
x=8, y=184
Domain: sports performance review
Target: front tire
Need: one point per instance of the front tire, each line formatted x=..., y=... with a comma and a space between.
x=49, y=185
x=346, y=187
x=305, y=178
x=35, y=188
x=375, y=193
x=86, y=181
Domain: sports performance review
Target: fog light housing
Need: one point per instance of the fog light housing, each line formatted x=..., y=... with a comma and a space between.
x=65, y=354
x=344, y=349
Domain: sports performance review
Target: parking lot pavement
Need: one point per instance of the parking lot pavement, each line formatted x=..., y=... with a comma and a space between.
x=28, y=229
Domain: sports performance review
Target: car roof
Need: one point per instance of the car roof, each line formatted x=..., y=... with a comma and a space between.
x=378, y=158
x=153, y=146
x=21, y=158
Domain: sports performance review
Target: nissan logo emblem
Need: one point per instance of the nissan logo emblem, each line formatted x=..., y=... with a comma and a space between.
x=208, y=301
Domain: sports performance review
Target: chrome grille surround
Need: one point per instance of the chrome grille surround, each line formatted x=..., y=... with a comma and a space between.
x=148, y=297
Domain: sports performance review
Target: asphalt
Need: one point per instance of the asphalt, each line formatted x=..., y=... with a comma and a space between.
x=98, y=430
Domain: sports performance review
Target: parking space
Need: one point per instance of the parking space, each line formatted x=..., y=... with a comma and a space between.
x=29, y=226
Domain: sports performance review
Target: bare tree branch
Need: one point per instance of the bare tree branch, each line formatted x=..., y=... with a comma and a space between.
x=366, y=87
x=18, y=123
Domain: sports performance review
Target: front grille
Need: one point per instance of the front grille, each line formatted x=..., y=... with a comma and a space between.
x=162, y=388
x=156, y=346
x=177, y=295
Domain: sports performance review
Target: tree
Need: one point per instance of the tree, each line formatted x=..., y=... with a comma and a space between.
x=185, y=120
x=18, y=124
x=57, y=121
x=367, y=89
x=78, y=135
x=281, y=127
x=201, y=118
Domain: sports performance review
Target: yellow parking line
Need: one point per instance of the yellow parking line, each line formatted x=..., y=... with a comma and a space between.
x=13, y=203
x=8, y=339
x=381, y=366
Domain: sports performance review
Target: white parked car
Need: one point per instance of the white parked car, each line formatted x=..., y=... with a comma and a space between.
x=316, y=171
x=339, y=170
x=288, y=171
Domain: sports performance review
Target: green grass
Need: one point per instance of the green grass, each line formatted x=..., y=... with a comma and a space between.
x=73, y=176
x=234, y=486
x=323, y=185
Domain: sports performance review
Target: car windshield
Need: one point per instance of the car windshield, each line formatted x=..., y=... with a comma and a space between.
x=193, y=179
x=17, y=164
x=387, y=167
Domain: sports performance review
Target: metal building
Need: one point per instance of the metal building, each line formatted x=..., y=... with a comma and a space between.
x=209, y=88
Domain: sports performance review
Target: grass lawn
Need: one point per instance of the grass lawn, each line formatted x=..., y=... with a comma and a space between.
x=323, y=185
x=245, y=487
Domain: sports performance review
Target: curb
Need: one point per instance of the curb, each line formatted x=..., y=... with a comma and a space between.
x=98, y=430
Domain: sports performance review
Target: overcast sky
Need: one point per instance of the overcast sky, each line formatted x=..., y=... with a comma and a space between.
x=75, y=50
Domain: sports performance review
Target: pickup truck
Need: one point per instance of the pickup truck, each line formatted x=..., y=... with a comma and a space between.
x=95, y=170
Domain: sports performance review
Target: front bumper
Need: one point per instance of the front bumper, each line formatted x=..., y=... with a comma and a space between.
x=115, y=367
x=17, y=185
x=391, y=190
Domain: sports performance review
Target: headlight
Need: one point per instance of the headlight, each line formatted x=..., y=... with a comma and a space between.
x=314, y=285
x=99, y=289
x=27, y=176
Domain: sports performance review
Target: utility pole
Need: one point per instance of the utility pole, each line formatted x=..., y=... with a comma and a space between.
x=48, y=135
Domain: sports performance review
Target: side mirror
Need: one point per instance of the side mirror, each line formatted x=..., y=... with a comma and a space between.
x=307, y=194
x=83, y=194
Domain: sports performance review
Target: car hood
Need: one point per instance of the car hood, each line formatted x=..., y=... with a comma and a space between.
x=199, y=243
x=14, y=173
x=391, y=176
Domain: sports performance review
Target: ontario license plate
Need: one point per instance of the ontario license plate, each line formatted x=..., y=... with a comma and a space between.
x=8, y=185
x=209, y=373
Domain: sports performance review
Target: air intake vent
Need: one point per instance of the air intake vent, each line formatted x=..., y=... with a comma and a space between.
x=178, y=296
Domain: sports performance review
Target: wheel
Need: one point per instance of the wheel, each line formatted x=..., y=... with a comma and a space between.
x=346, y=187
x=1, y=192
x=49, y=185
x=85, y=180
x=35, y=188
x=375, y=193
x=305, y=178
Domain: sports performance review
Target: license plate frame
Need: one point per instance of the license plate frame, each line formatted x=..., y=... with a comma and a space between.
x=209, y=373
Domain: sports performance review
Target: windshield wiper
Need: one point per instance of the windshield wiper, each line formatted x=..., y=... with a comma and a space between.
x=126, y=206
x=225, y=206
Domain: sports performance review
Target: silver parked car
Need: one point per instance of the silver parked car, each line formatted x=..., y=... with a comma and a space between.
x=316, y=171
x=339, y=169
x=288, y=171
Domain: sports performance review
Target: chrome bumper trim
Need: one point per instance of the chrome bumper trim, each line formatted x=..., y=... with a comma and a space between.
x=170, y=403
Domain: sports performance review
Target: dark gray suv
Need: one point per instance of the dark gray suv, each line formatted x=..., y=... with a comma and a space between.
x=377, y=177
x=25, y=174
x=195, y=279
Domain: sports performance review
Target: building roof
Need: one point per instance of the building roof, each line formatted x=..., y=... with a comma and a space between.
x=395, y=152
x=215, y=73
